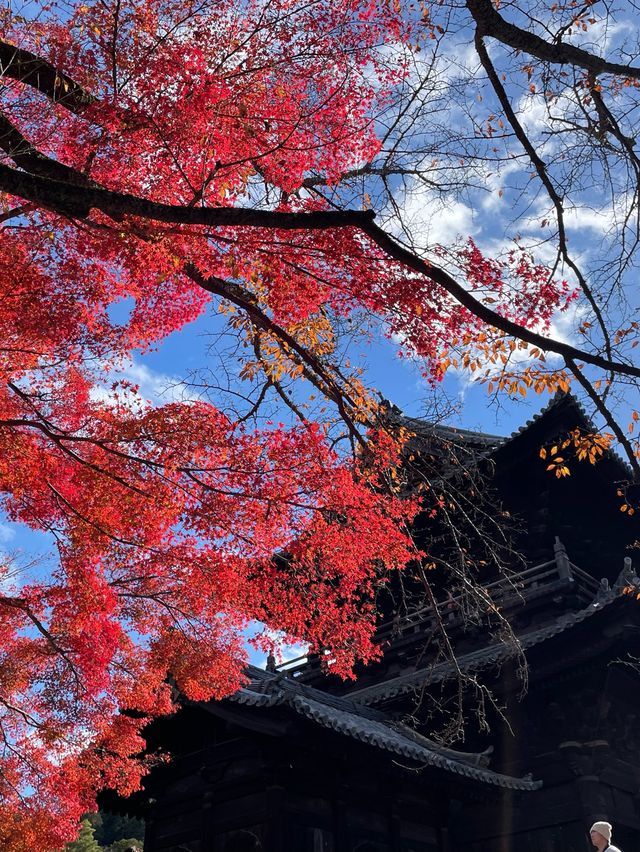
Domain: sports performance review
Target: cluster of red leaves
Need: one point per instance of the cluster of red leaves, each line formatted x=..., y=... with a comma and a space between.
x=346, y=271
x=166, y=519
x=523, y=290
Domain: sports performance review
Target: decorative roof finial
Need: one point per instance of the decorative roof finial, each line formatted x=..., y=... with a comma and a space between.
x=627, y=577
x=562, y=559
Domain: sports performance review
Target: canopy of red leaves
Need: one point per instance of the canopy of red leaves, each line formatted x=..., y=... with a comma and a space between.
x=166, y=519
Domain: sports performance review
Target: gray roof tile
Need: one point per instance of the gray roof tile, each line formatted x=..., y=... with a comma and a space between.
x=369, y=726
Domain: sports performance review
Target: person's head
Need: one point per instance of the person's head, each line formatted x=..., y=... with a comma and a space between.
x=601, y=835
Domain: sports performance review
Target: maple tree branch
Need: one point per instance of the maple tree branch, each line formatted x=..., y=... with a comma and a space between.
x=486, y=314
x=28, y=68
x=16, y=211
x=255, y=407
x=234, y=293
x=369, y=169
x=609, y=419
x=465, y=679
x=60, y=439
x=277, y=386
x=63, y=197
x=13, y=708
x=26, y=156
x=491, y=23
x=21, y=755
x=189, y=472
x=288, y=401
x=22, y=605
x=63, y=500
x=609, y=123
x=541, y=171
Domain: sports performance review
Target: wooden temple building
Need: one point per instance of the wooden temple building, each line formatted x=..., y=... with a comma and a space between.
x=298, y=762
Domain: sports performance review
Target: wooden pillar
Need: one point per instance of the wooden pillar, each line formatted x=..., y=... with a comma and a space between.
x=276, y=824
x=340, y=828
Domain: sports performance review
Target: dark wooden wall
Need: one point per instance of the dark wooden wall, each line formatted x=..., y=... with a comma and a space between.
x=311, y=791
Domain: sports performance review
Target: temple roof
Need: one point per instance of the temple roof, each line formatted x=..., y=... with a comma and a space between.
x=565, y=408
x=494, y=655
x=561, y=407
x=369, y=726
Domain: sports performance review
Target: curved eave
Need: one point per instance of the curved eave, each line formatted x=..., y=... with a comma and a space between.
x=368, y=726
x=380, y=736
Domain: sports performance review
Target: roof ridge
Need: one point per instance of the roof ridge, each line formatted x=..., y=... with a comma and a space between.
x=498, y=440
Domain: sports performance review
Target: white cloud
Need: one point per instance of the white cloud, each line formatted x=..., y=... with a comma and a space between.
x=604, y=219
x=9, y=571
x=153, y=386
x=533, y=114
x=583, y=218
x=158, y=387
x=564, y=325
x=600, y=36
x=493, y=200
x=433, y=220
x=257, y=635
x=286, y=654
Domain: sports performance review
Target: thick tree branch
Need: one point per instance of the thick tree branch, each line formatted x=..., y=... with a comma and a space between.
x=63, y=197
x=27, y=157
x=491, y=23
x=26, y=67
x=315, y=370
x=21, y=210
x=486, y=314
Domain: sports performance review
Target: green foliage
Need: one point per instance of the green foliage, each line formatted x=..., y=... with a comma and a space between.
x=125, y=845
x=113, y=827
x=104, y=832
x=95, y=820
x=86, y=841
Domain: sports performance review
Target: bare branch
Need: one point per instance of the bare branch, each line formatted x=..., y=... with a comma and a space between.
x=491, y=23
